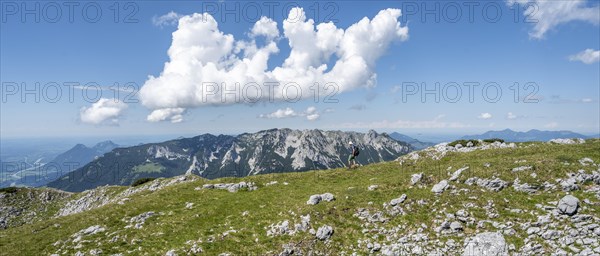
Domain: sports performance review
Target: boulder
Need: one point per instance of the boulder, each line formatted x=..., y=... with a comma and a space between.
x=398, y=200
x=324, y=232
x=457, y=173
x=328, y=197
x=314, y=199
x=416, y=178
x=568, y=205
x=440, y=187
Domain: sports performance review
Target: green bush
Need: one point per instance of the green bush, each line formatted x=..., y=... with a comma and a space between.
x=141, y=181
x=9, y=190
x=493, y=140
x=463, y=143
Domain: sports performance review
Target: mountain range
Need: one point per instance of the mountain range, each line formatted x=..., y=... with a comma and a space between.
x=211, y=156
x=41, y=173
x=417, y=144
x=531, y=135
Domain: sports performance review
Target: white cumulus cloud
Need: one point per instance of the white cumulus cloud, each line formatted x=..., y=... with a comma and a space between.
x=485, y=116
x=547, y=14
x=311, y=114
x=104, y=111
x=175, y=115
x=205, y=62
x=280, y=113
x=588, y=56
x=169, y=19
x=511, y=116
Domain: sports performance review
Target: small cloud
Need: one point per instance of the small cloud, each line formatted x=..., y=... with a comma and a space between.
x=328, y=110
x=169, y=19
x=104, y=111
x=511, y=116
x=173, y=114
x=587, y=100
x=485, y=116
x=588, y=56
x=310, y=113
x=280, y=113
x=358, y=107
x=551, y=125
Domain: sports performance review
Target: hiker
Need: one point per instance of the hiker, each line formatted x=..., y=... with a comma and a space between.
x=352, y=157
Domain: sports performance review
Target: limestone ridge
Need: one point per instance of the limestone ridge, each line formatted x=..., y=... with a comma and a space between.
x=210, y=156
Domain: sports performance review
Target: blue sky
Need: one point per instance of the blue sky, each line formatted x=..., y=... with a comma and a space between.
x=554, y=60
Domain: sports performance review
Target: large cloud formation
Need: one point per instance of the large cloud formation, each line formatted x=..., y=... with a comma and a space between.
x=209, y=67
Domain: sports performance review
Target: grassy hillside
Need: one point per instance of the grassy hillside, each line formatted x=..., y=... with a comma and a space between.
x=188, y=219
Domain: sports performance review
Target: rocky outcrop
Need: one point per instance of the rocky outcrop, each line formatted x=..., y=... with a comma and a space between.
x=486, y=244
x=315, y=199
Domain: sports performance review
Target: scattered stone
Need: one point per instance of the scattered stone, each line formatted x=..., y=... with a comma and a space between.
x=568, y=205
x=521, y=168
x=569, y=184
x=171, y=253
x=280, y=228
x=489, y=243
x=232, y=187
x=137, y=222
x=494, y=185
x=372, y=187
x=315, y=199
x=456, y=226
x=364, y=214
x=271, y=183
x=304, y=224
x=189, y=205
x=567, y=141
x=86, y=232
x=440, y=187
x=517, y=186
x=398, y=201
x=415, y=178
x=586, y=161
x=328, y=197
x=324, y=232
x=91, y=230
x=457, y=173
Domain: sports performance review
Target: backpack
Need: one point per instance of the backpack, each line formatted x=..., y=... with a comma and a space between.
x=355, y=152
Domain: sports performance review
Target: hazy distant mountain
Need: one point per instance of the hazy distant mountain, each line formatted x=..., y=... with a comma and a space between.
x=81, y=155
x=41, y=173
x=417, y=145
x=531, y=135
x=210, y=156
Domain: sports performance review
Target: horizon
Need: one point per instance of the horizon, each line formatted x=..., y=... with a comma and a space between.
x=426, y=75
x=92, y=140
